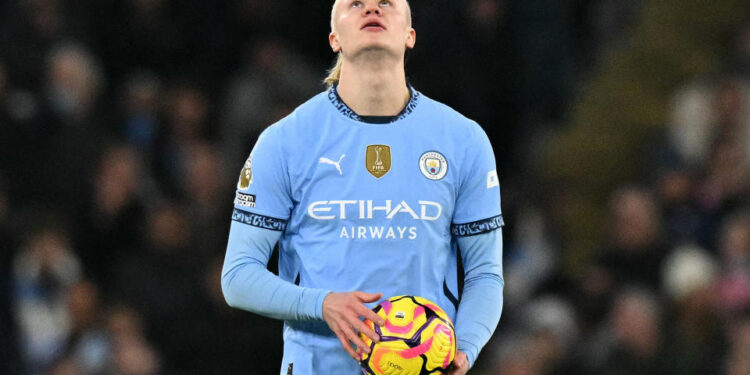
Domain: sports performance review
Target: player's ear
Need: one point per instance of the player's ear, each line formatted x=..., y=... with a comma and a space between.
x=333, y=40
x=411, y=38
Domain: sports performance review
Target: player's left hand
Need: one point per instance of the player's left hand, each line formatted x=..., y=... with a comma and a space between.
x=460, y=364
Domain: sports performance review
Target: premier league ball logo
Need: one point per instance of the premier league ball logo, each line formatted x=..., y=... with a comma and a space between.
x=246, y=175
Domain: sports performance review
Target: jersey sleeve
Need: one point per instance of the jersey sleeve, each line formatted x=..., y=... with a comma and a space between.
x=248, y=285
x=263, y=198
x=477, y=207
x=262, y=207
x=482, y=300
x=477, y=223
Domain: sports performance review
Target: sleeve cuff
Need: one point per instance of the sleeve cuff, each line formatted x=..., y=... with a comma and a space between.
x=470, y=350
x=319, y=298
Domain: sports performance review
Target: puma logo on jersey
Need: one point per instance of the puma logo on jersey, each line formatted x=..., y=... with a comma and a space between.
x=336, y=164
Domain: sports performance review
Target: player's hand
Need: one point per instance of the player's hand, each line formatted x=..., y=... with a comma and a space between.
x=460, y=364
x=342, y=312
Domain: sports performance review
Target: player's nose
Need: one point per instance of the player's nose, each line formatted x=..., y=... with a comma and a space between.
x=372, y=9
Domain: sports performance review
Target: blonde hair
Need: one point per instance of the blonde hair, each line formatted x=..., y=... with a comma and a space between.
x=334, y=74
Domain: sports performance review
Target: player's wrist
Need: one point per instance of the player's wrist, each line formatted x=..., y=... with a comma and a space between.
x=469, y=349
x=320, y=303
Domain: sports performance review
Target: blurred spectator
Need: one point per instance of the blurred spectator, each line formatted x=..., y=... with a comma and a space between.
x=707, y=111
x=186, y=113
x=31, y=27
x=273, y=78
x=734, y=248
x=727, y=181
x=88, y=348
x=633, y=253
x=44, y=270
x=8, y=353
x=111, y=220
x=74, y=81
x=631, y=341
x=635, y=249
x=209, y=197
x=532, y=259
x=517, y=357
x=161, y=281
x=738, y=361
x=132, y=354
x=552, y=322
x=140, y=106
x=540, y=340
x=684, y=222
x=72, y=124
x=687, y=270
x=694, y=344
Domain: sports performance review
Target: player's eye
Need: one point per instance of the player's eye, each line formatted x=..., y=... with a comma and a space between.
x=356, y=4
x=385, y=3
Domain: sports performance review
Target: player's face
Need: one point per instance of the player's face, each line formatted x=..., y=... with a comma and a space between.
x=361, y=25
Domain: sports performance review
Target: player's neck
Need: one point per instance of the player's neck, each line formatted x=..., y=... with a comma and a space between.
x=374, y=88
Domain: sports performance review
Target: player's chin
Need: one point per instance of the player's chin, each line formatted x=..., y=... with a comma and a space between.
x=377, y=50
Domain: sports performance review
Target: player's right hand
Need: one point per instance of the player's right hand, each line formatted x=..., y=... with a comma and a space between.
x=342, y=312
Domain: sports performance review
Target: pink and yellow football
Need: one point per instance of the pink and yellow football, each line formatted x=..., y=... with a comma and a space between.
x=417, y=339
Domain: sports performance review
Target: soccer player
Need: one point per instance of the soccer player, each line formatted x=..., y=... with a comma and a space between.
x=369, y=188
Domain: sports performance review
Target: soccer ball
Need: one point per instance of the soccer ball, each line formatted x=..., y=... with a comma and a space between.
x=417, y=339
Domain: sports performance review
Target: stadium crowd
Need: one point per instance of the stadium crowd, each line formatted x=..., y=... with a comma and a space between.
x=123, y=124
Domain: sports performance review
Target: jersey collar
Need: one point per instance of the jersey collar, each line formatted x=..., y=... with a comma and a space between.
x=343, y=108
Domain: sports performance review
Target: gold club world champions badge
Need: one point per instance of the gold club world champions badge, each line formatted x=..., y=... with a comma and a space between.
x=378, y=160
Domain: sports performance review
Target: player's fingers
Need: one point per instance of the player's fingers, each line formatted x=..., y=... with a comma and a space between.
x=458, y=371
x=370, y=315
x=460, y=364
x=351, y=336
x=368, y=297
x=347, y=346
x=364, y=329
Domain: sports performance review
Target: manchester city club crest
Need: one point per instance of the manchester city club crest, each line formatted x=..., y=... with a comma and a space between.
x=246, y=176
x=433, y=165
x=378, y=160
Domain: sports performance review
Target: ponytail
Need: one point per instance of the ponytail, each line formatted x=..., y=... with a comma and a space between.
x=334, y=74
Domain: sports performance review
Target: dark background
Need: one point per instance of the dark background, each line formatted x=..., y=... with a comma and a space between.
x=622, y=136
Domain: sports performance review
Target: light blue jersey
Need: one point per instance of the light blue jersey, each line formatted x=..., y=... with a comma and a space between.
x=358, y=205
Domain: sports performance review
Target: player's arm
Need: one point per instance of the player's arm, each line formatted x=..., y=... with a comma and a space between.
x=247, y=284
x=482, y=298
x=477, y=227
x=263, y=205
